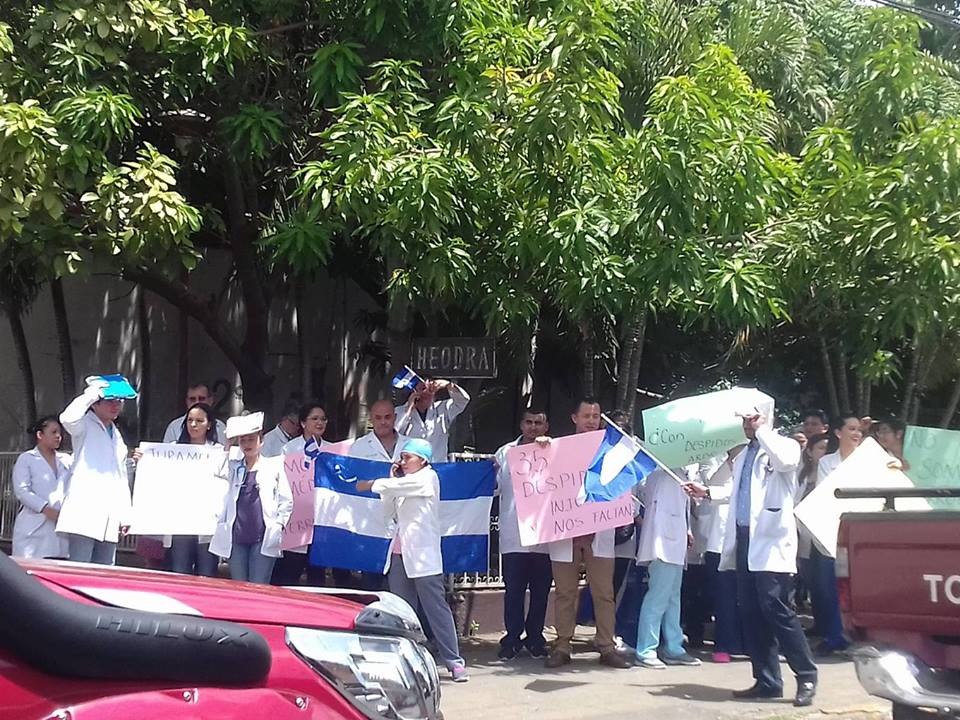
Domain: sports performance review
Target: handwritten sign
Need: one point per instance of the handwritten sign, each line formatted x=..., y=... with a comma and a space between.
x=178, y=489
x=869, y=466
x=933, y=460
x=299, y=530
x=695, y=429
x=546, y=486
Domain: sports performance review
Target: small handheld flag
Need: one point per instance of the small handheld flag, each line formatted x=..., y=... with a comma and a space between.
x=619, y=465
x=406, y=379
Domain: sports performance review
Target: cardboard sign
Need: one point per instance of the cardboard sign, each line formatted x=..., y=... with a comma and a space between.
x=546, y=485
x=694, y=429
x=869, y=466
x=299, y=529
x=933, y=460
x=178, y=489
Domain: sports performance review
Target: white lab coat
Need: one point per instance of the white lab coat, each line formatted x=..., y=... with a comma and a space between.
x=98, y=498
x=276, y=502
x=172, y=433
x=827, y=464
x=274, y=441
x=415, y=501
x=509, y=524
x=369, y=447
x=663, y=534
x=37, y=486
x=773, y=487
x=435, y=427
x=714, y=512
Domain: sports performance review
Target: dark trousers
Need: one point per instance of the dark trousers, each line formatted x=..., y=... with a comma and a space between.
x=630, y=596
x=827, y=603
x=722, y=591
x=768, y=620
x=695, y=610
x=289, y=569
x=523, y=571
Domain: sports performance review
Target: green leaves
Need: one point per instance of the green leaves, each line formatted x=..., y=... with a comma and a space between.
x=98, y=117
x=333, y=71
x=254, y=130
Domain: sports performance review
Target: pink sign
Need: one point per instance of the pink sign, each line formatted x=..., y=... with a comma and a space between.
x=547, y=483
x=299, y=530
x=338, y=448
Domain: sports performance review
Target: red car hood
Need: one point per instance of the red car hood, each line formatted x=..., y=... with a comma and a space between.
x=185, y=594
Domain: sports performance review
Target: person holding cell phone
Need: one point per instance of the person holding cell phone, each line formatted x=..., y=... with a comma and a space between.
x=412, y=498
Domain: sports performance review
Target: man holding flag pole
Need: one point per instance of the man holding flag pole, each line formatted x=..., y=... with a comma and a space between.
x=423, y=416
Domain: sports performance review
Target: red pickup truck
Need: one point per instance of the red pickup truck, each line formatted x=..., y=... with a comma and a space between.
x=88, y=642
x=898, y=577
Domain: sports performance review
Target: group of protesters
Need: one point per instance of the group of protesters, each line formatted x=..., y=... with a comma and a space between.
x=714, y=541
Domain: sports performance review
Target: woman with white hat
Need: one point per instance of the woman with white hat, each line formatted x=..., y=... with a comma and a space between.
x=412, y=497
x=257, y=505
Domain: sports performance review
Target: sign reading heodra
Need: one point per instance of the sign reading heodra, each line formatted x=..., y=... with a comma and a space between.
x=455, y=357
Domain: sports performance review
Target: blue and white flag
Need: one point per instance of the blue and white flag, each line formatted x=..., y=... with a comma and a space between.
x=351, y=529
x=406, y=379
x=620, y=464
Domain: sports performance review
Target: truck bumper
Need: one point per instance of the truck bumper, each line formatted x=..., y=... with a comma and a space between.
x=905, y=679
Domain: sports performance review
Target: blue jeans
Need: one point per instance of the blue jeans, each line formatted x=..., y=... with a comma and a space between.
x=722, y=587
x=87, y=550
x=247, y=563
x=189, y=557
x=661, y=611
x=827, y=602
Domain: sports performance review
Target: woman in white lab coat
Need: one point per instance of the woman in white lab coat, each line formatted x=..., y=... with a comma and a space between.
x=411, y=496
x=257, y=506
x=39, y=482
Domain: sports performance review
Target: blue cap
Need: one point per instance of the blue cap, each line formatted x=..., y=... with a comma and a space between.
x=416, y=446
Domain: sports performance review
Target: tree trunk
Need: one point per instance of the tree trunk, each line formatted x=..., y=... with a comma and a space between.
x=256, y=381
x=829, y=377
x=952, y=404
x=68, y=374
x=843, y=385
x=588, y=381
x=542, y=376
x=636, y=360
x=399, y=326
x=867, y=397
x=143, y=400
x=910, y=382
x=859, y=391
x=22, y=351
x=303, y=346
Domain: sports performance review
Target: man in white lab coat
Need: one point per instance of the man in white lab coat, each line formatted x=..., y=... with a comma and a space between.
x=286, y=430
x=383, y=443
x=596, y=553
x=196, y=393
x=522, y=567
x=97, y=506
x=761, y=545
x=426, y=417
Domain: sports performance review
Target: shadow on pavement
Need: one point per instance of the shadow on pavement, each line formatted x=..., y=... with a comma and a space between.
x=701, y=693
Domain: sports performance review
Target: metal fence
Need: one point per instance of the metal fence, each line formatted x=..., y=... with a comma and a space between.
x=492, y=579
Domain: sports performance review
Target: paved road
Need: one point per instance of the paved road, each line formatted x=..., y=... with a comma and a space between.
x=524, y=690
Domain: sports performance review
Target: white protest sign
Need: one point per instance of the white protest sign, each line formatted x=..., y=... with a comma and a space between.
x=869, y=466
x=178, y=489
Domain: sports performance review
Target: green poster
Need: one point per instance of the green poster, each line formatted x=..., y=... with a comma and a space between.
x=695, y=429
x=933, y=459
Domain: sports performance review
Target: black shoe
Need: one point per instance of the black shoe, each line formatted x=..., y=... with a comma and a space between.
x=805, y=694
x=537, y=651
x=508, y=652
x=758, y=692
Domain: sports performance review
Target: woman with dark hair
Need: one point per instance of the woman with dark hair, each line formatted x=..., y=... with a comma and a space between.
x=190, y=554
x=39, y=482
x=817, y=447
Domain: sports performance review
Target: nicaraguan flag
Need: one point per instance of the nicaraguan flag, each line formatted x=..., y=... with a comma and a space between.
x=406, y=379
x=619, y=465
x=351, y=527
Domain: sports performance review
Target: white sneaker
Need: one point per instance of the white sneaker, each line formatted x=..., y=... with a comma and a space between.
x=459, y=673
x=650, y=663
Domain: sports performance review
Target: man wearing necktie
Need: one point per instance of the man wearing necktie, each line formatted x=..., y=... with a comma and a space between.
x=761, y=545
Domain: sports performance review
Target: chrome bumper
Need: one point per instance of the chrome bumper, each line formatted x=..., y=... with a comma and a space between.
x=904, y=679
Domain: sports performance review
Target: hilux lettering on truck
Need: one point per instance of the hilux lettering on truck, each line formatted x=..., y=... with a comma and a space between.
x=951, y=588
